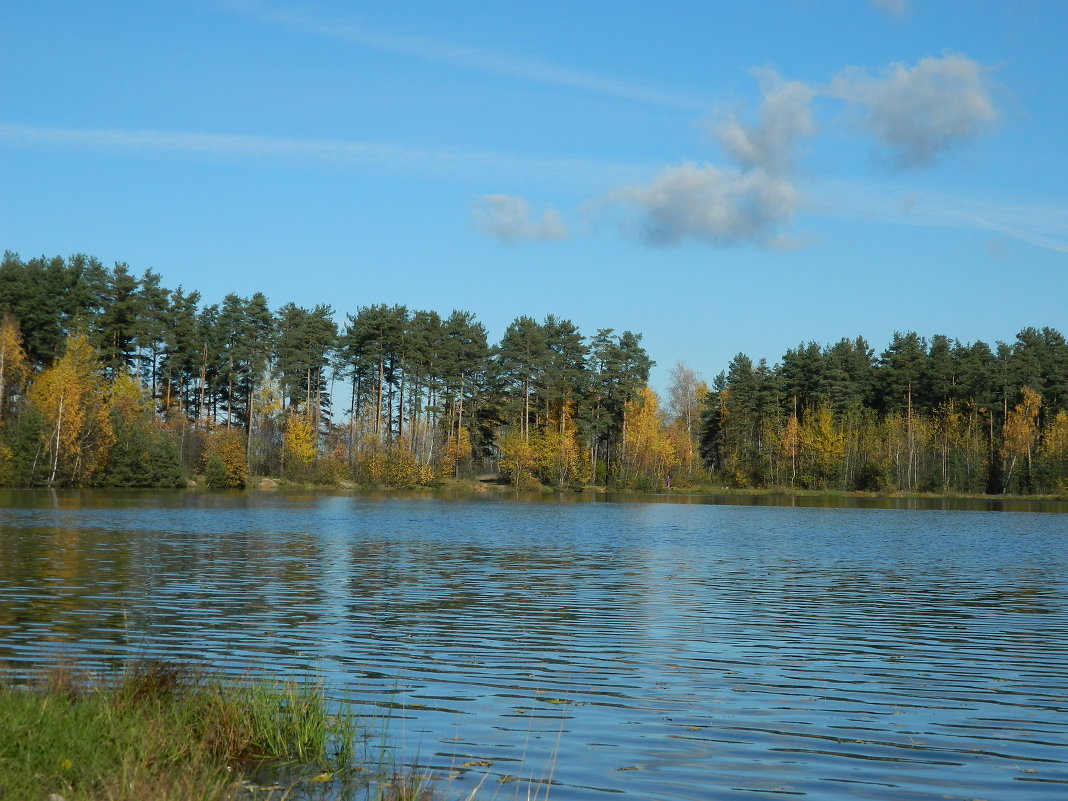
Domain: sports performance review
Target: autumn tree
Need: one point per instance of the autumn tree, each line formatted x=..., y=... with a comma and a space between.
x=225, y=462
x=1054, y=453
x=617, y=374
x=518, y=459
x=300, y=445
x=557, y=454
x=143, y=454
x=1021, y=434
x=266, y=441
x=14, y=368
x=822, y=446
x=686, y=391
x=71, y=398
x=647, y=451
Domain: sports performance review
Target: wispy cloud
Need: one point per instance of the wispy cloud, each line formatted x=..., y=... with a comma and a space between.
x=720, y=205
x=478, y=165
x=457, y=55
x=895, y=8
x=1038, y=225
x=508, y=218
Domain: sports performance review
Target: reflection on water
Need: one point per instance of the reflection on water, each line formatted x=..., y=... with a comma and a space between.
x=694, y=650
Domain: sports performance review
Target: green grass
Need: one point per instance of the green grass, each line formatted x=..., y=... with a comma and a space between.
x=161, y=731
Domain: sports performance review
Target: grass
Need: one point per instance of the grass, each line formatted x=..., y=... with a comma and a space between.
x=167, y=732
x=162, y=731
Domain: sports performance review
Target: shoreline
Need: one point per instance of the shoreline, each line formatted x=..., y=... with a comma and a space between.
x=494, y=487
x=271, y=484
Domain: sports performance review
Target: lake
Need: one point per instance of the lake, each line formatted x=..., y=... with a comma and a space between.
x=644, y=650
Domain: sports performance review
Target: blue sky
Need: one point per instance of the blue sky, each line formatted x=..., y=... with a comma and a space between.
x=720, y=177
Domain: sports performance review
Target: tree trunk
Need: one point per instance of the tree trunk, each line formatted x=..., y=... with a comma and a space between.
x=59, y=430
x=378, y=398
x=230, y=393
x=3, y=355
x=202, y=406
x=400, y=409
x=526, y=410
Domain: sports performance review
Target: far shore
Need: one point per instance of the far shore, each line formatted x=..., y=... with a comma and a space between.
x=503, y=488
x=685, y=494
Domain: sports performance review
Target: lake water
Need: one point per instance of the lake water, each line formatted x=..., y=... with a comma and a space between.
x=644, y=650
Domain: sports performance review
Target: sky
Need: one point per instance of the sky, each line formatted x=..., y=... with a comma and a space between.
x=720, y=177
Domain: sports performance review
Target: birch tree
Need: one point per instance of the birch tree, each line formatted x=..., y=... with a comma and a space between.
x=72, y=398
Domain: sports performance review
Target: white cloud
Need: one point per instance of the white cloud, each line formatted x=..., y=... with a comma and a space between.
x=456, y=55
x=725, y=206
x=704, y=202
x=918, y=113
x=508, y=218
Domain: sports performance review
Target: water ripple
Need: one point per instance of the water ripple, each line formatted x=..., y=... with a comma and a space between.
x=648, y=650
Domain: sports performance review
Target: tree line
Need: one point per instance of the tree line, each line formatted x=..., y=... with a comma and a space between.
x=109, y=378
x=938, y=416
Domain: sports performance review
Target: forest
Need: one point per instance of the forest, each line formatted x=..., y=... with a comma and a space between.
x=932, y=416
x=108, y=378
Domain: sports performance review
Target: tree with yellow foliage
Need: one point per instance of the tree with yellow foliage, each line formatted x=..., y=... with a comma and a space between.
x=518, y=459
x=685, y=463
x=299, y=445
x=557, y=453
x=686, y=394
x=393, y=465
x=647, y=450
x=823, y=445
x=71, y=397
x=225, y=463
x=266, y=433
x=143, y=454
x=458, y=449
x=14, y=369
x=1054, y=451
x=1020, y=432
